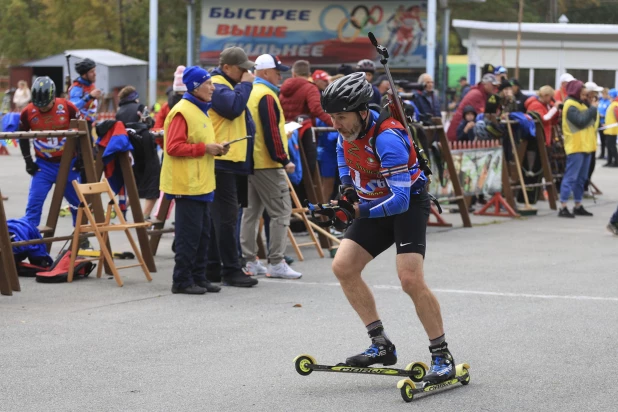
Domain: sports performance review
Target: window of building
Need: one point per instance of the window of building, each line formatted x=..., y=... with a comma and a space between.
x=604, y=78
x=579, y=74
x=524, y=78
x=543, y=77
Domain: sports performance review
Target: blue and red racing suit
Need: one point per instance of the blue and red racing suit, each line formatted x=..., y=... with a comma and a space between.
x=48, y=152
x=385, y=185
x=79, y=94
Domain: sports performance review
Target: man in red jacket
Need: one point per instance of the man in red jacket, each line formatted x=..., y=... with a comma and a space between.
x=476, y=97
x=299, y=96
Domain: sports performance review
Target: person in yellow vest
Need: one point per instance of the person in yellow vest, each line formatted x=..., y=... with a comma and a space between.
x=188, y=177
x=268, y=188
x=231, y=120
x=611, y=122
x=580, y=121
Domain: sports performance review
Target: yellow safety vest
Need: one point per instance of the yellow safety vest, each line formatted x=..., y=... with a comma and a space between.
x=189, y=176
x=610, y=118
x=227, y=130
x=261, y=156
x=576, y=140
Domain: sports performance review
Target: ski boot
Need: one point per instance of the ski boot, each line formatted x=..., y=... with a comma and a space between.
x=381, y=351
x=442, y=364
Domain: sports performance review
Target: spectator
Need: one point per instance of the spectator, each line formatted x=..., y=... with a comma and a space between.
x=382, y=84
x=268, y=188
x=501, y=73
x=465, y=131
x=147, y=166
x=173, y=97
x=612, y=226
x=561, y=95
x=507, y=100
x=476, y=97
x=188, y=177
x=320, y=79
x=129, y=108
x=464, y=87
x=231, y=120
x=22, y=95
x=487, y=68
x=83, y=93
x=542, y=104
x=427, y=100
x=579, y=126
x=592, y=95
x=604, y=103
x=611, y=119
x=301, y=97
x=520, y=97
x=369, y=68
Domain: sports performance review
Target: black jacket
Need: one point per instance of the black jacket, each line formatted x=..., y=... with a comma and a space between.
x=127, y=112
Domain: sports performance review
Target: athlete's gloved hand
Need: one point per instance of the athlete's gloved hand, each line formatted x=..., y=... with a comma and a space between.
x=348, y=193
x=339, y=215
x=344, y=215
x=31, y=167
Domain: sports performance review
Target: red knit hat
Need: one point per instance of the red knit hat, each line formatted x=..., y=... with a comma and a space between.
x=320, y=75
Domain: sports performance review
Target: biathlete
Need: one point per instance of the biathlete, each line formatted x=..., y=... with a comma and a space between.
x=381, y=178
x=46, y=112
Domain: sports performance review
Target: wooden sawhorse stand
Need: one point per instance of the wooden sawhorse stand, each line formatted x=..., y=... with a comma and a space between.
x=459, y=198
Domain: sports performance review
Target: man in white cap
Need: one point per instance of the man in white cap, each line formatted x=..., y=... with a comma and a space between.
x=268, y=188
x=560, y=95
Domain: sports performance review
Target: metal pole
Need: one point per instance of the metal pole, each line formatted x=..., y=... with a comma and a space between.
x=431, y=36
x=445, y=33
x=152, y=52
x=519, y=19
x=190, y=32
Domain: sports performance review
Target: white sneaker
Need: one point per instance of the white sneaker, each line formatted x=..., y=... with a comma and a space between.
x=255, y=268
x=282, y=270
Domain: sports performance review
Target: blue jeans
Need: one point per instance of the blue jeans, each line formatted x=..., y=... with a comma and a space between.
x=41, y=184
x=192, y=233
x=575, y=176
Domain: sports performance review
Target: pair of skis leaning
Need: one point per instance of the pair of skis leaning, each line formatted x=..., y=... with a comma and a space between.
x=414, y=374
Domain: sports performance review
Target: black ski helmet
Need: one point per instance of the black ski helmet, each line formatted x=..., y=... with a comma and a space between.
x=43, y=91
x=351, y=93
x=84, y=66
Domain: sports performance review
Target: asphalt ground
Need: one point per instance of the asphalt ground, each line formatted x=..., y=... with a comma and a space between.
x=531, y=304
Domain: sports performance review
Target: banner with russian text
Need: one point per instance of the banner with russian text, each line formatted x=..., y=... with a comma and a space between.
x=322, y=32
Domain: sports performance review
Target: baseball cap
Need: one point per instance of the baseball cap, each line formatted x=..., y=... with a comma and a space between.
x=490, y=78
x=235, y=56
x=320, y=75
x=566, y=77
x=500, y=70
x=270, y=61
x=592, y=87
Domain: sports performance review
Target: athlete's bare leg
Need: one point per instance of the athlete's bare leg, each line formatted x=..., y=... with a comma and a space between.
x=348, y=264
x=410, y=271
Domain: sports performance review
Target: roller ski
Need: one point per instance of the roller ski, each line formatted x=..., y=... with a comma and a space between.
x=306, y=364
x=443, y=373
x=409, y=388
x=381, y=351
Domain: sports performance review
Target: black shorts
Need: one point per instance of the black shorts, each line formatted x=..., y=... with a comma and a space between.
x=407, y=230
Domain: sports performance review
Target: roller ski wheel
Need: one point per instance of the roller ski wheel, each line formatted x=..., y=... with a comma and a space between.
x=408, y=389
x=302, y=362
x=417, y=370
x=64, y=212
x=306, y=364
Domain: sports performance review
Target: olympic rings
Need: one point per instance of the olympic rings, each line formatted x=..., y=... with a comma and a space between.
x=359, y=24
x=368, y=16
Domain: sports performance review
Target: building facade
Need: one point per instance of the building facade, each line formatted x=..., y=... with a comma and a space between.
x=587, y=51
